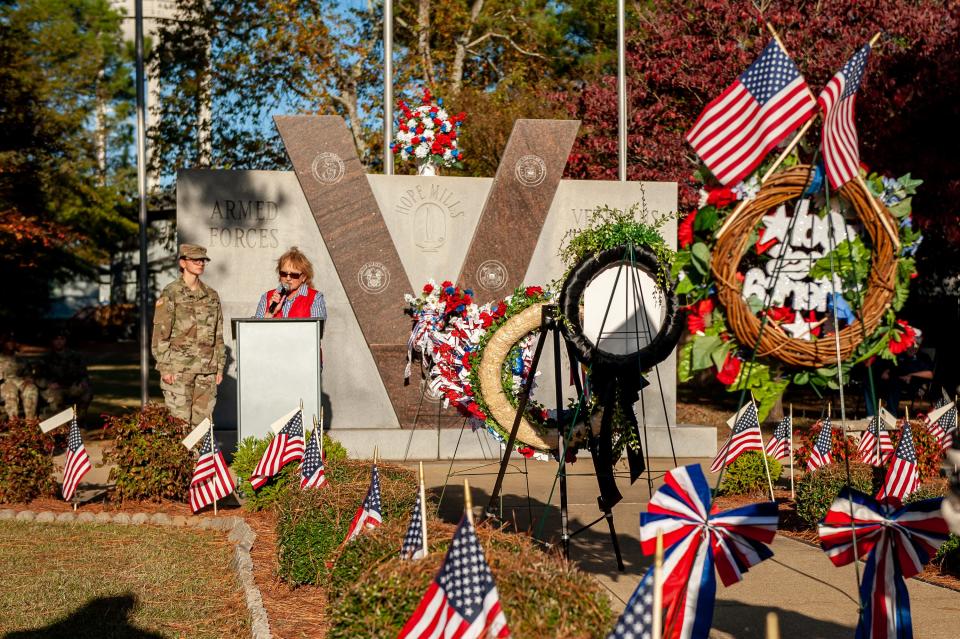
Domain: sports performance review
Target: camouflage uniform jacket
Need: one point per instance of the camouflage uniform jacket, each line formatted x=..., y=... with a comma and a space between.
x=188, y=330
x=13, y=368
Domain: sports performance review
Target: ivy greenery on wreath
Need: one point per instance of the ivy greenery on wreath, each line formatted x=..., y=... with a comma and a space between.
x=794, y=273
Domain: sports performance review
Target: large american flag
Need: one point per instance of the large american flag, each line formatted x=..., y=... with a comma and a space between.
x=779, y=445
x=285, y=447
x=746, y=436
x=78, y=462
x=903, y=475
x=636, y=621
x=699, y=545
x=311, y=468
x=462, y=602
x=820, y=453
x=897, y=541
x=368, y=514
x=736, y=130
x=875, y=445
x=413, y=547
x=211, y=477
x=841, y=154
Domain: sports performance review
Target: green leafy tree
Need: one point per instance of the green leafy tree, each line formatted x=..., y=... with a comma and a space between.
x=65, y=200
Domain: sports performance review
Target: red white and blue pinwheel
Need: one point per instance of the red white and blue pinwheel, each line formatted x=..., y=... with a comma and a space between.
x=697, y=542
x=897, y=540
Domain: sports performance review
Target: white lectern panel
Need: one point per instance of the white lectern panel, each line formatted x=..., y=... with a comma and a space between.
x=278, y=364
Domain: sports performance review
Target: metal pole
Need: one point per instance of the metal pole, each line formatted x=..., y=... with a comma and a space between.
x=142, y=196
x=621, y=93
x=387, y=86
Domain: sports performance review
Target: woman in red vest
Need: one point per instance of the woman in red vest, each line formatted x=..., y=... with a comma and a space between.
x=294, y=296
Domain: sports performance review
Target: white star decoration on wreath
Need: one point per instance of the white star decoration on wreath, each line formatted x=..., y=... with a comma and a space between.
x=799, y=328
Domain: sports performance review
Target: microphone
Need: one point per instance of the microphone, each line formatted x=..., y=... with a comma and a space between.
x=284, y=292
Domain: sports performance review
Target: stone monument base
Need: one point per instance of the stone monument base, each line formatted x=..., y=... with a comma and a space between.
x=435, y=444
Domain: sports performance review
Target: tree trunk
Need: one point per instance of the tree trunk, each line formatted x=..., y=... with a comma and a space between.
x=423, y=40
x=456, y=71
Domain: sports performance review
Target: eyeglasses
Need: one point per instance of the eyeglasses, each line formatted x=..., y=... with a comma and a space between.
x=291, y=275
x=196, y=260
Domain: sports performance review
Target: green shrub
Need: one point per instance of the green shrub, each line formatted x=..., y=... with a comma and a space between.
x=150, y=462
x=542, y=595
x=817, y=490
x=948, y=556
x=247, y=457
x=26, y=464
x=747, y=474
x=311, y=524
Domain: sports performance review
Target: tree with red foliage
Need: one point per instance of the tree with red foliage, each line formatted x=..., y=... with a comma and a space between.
x=684, y=54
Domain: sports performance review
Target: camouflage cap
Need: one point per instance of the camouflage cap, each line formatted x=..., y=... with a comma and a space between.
x=193, y=252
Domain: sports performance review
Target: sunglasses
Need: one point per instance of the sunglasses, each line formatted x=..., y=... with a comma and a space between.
x=196, y=260
x=291, y=274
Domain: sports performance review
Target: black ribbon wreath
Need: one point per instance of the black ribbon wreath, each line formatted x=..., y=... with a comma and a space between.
x=616, y=378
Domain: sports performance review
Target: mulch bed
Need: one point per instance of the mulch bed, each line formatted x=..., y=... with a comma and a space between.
x=795, y=528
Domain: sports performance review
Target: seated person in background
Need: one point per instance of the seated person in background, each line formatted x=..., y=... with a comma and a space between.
x=63, y=378
x=295, y=295
x=17, y=383
x=913, y=369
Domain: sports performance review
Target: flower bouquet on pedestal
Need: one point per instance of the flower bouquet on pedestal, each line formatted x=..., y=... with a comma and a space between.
x=427, y=134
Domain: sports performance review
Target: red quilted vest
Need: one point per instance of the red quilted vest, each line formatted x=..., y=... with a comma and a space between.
x=301, y=303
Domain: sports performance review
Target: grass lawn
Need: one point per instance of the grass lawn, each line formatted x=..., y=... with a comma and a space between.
x=91, y=580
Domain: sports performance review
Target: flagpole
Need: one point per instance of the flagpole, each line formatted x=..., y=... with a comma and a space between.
x=73, y=498
x=423, y=510
x=879, y=452
x=793, y=495
x=320, y=441
x=467, y=500
x=657, y=630
x=763, y=452
x=213, y=446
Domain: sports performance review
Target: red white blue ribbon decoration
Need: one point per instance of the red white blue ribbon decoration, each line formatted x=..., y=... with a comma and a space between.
x=699, y=541
x=897, y=541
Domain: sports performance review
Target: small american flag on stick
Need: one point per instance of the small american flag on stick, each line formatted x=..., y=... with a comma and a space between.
x=312, y=474
x=285, y=447
x=903, y=475
x=779, y=445
x=368, y=515
x=78, y=462
x=746, y=436
x=462, y=601
x=875, y=445
x=211, y=477
x=766, y=102
x=841, y=154
x=820, y=454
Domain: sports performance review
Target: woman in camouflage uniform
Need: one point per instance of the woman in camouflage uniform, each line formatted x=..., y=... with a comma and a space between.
x=188, y=340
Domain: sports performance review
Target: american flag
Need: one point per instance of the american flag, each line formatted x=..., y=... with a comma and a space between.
x=636, y=621
x=736, y=130
x=78, y=462
x=868, y=448
x=779, y=445
x=903, y=476
x=211, y=477
x=697, y=544
x=897, y=541
x=841, y=155
x=285, y=447
x=820, y=453
x=311, y=469
x=368, y=514
x=746, y=436
x=940, y=422
x=413, y=541
x=462, y=602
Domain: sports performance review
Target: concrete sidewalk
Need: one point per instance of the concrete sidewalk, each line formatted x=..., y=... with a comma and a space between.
x=813, y=598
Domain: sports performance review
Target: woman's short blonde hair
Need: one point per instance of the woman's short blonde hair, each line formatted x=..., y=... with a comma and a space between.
x=298, y=261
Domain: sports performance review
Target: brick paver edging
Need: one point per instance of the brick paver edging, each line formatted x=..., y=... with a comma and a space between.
x=236, y=528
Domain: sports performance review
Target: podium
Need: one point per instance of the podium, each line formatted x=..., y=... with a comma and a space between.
x=278, y=365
